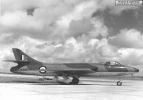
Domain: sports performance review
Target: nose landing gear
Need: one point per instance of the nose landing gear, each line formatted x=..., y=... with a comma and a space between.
x=119, y=83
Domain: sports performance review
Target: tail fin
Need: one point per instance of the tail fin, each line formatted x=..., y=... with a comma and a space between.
x=20, y=56
x=23, y=59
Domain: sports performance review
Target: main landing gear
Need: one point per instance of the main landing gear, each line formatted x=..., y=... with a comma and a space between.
x=67, y=80
x=75, y=80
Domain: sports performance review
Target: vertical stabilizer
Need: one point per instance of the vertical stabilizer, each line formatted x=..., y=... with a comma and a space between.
x=21, y=56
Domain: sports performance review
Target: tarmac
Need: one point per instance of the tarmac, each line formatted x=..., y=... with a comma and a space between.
x=17, y=87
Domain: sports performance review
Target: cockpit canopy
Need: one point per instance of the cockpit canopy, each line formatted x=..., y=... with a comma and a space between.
x=112, y=63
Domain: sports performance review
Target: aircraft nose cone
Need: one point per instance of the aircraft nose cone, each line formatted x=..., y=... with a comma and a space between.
x=136, y=70
x=132, y=69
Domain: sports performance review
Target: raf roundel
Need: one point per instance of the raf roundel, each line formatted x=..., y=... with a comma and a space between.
x=42, y=69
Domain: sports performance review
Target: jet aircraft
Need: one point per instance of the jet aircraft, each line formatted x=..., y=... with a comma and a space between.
x=67, y=73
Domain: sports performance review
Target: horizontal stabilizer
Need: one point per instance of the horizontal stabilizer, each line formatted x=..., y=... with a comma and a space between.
x=16, y=61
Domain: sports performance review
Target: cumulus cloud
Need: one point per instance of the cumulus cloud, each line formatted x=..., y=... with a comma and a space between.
x=131, y=56
x=129, y=44
x=50, y=17
x=131, y=38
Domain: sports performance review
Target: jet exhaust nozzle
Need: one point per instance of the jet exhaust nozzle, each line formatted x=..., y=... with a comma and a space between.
x=14, y=69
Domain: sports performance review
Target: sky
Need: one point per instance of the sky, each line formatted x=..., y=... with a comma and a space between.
x=71, y=31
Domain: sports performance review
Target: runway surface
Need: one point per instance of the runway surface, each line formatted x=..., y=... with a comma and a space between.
x=30, y=88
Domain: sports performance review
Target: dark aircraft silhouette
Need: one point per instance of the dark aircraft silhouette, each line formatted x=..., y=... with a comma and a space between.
x=67, y=73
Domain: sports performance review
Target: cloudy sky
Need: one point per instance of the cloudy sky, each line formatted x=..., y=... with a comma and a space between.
x=71, y=31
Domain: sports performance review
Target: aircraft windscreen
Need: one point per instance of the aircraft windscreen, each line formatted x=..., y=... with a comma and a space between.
x=112, y=63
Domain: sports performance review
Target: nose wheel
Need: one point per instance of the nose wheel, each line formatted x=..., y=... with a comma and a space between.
x=119, y=83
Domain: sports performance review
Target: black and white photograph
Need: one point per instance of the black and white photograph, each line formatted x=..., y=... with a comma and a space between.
x=71, y=49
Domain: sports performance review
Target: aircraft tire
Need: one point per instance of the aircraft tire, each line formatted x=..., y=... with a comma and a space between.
x=119, y=83
x=75, y=81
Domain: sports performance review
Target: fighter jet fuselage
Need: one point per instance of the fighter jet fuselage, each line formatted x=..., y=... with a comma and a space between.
x=28, y=65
